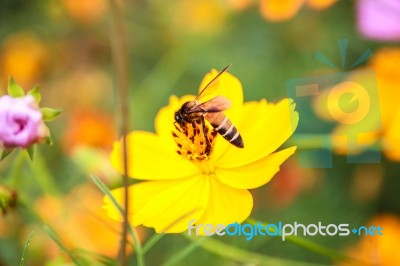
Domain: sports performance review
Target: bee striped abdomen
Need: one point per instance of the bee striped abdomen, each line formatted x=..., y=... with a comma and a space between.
x=227, y=130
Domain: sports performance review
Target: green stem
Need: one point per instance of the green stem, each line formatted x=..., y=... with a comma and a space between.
x=184, y=252
x=151, y=242
x=244, y=256
x=309, y=245
x=56, y=238
x=43, y=176
x=39, y=171
x=317, y=248
x=132, y=231
x=14, y=177
x=25, y=251
x=119, y=46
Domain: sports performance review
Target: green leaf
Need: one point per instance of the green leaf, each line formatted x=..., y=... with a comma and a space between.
x=28, y=242
x=95, y=258
x=132, y=231
x=156, y=237
x=31, y=151
x=49, y=114
x=48, y=140
x=5, y=153
x=14, y=90
x=35, y=92
x=53, y=235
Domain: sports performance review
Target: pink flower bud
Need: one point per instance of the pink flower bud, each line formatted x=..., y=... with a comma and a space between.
x=21, y=122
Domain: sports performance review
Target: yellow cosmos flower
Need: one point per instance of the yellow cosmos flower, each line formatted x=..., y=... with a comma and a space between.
x=184, y=183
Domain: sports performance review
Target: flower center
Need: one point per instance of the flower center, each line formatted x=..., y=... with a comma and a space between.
x=195, y=140
x=21, y=124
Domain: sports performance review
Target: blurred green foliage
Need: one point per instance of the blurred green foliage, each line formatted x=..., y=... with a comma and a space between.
x=167, y=59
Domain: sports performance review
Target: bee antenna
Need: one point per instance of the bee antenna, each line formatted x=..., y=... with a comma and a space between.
x=215, y=78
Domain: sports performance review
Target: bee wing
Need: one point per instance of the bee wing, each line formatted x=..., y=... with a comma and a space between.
x=215, y=105
x=206, y=90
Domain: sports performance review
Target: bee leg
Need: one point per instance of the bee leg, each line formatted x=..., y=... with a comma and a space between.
x=177, y=128
x=194, y=131
x=208, y=143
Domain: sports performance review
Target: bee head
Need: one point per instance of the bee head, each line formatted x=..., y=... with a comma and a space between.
x=178, y=118
x=181, y=115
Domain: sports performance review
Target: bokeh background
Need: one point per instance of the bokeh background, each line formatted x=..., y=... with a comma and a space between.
x=65, y=47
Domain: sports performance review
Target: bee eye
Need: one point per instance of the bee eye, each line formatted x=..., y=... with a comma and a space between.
x=177, y=117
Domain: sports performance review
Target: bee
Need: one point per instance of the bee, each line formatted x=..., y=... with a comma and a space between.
x=194, y=111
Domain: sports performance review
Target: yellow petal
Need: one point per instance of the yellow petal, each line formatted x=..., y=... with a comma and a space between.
x=278, y=10
x=151, y=158
x=164, y=122
x=167, y=206
x=226, y=205
x=265, y=127
x=227, y=86
x=254, y=174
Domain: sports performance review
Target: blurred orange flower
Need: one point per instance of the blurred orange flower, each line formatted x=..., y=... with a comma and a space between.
x=379, y=250
x=80, y=222
x=94, y=85
x=240, y=4
x=10, y=224
x=23, y=56
x=279, y=10
x=382, y=124
x=95, y=161
x=290, y=182
x=385, y=63
x=86, y=12
x=205, y=16
x=366, y=182
x=89, y=128
x=8, y=199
